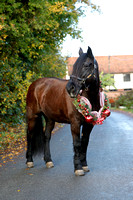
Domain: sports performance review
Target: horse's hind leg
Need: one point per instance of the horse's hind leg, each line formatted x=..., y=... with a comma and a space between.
x=30, y=132
x=47, y=136
x=34, y=138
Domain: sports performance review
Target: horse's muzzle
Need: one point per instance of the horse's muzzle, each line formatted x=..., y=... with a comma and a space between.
x=72, y=90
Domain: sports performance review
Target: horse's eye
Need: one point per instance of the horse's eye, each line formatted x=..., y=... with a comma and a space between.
x=91, y=66
x=86, y=64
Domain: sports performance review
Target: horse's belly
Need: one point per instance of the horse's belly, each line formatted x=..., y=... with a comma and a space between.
x=57, y=115
x=56, y=109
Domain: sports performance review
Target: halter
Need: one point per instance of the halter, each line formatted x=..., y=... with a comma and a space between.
x=78, y=78
x=83, y=80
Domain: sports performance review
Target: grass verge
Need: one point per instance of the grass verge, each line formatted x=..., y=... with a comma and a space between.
x=13, y=142
x=130, y=111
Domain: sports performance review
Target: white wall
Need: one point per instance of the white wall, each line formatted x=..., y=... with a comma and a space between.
x=121, y=84
x=67, y=76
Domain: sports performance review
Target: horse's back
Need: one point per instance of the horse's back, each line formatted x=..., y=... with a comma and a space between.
x=45, y=84
x=49, y=96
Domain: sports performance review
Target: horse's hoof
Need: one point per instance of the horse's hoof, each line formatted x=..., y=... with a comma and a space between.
x=85, y=168
x=49, y=164
x=30, y=164
x=79, y=172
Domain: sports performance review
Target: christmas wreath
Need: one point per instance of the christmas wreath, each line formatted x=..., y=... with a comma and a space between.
x=83, y=105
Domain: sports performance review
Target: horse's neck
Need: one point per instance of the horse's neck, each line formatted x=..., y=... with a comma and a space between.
x=93, y=97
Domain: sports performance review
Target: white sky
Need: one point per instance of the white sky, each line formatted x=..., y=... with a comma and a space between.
x=108, y=33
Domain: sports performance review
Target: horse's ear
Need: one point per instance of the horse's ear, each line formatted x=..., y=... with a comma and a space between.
x=89, y=53
x=80, y=51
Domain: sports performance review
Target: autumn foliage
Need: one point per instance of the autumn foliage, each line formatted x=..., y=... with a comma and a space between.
x=31, y=33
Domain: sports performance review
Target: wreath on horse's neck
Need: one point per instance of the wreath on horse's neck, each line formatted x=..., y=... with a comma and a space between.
x=84, y=106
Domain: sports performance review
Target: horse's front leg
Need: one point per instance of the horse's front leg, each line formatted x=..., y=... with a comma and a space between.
x=75, y=128
x=86, y=130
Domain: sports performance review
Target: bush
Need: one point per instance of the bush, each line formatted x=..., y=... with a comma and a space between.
x=125, y=100
x=13, y=91
x=31, y=33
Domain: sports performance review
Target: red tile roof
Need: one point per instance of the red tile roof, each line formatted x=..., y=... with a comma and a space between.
x=110, y=64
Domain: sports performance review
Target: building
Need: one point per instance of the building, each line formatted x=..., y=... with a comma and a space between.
x=121, y=68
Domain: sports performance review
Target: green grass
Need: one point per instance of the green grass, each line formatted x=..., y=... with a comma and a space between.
x=124, y=109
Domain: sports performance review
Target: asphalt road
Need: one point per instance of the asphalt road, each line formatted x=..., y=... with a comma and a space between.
x=110, y=159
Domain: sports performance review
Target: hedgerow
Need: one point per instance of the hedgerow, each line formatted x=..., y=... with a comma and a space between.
x=31, y=33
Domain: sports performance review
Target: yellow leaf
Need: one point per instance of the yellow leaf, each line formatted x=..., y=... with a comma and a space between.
x=4, y=36
x=30, y=174
x=1, y=27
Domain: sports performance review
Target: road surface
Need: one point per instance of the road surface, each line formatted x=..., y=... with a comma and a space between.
x=110, y=159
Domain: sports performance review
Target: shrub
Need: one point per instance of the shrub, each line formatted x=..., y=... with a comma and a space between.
x=12, y=94
x=125, y=100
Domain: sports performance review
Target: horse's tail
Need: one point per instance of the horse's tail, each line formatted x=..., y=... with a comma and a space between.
x=35, y=137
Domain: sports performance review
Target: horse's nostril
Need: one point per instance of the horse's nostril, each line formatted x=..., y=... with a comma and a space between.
x=68, y=87
x=72, y=87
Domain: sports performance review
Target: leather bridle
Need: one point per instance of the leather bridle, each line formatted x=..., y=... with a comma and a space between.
x=82, y=80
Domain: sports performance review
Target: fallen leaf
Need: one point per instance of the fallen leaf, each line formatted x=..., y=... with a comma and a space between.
x=30, y=174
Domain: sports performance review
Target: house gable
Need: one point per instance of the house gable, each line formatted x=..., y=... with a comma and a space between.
x=120, y=66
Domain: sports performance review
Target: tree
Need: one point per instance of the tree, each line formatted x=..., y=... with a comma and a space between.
x=106, y=80
x=31, y=32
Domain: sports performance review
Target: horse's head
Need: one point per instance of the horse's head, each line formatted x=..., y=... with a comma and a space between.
x=82, y=74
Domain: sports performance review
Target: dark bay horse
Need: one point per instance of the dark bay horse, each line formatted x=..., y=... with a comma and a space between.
x=52, y=98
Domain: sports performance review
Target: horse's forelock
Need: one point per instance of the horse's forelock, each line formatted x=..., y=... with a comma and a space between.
x=77, y=67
